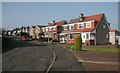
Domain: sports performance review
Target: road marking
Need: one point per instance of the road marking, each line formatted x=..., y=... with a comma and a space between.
x=54, y=58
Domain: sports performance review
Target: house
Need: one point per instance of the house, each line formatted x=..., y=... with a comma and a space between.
x=32, y=32
x=93, y=29
x=53, y=30
x=56, y=29
x=113, y=36
x=25, y=29
x=46, y=33
x=9, y=32
x=19, y=31
x=14, y=32
x=38, y=31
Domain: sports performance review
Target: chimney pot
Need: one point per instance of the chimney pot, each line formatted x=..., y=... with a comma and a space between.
x=81, y=15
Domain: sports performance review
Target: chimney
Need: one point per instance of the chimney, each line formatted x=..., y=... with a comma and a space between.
x=109, y=24
x=53, y=22
x=81, y=17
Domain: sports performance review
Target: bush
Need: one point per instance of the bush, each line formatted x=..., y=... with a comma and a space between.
x=24, y=34
x=78, y=43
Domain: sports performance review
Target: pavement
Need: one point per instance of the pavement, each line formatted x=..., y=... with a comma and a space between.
x=65, y=60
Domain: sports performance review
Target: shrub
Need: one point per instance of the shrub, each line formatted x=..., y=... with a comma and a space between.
x=24, y=34
x=78, y=43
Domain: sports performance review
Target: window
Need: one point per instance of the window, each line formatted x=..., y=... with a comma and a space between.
x=65, y=27
x=71, y=36
x=107, y=36
x=51, y=28
x=54, y=28
x=104, y=26
x=81, y=26
x=87, y=36
x=71, y=26
x=84, y=36
x=88, y=25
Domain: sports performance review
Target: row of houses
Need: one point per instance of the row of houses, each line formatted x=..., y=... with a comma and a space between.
x=94, y=30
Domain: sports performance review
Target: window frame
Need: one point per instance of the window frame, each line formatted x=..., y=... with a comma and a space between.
x=80, y=24
x=87, y=24
x=88, y=36
x=71, y=26
x=65, y=27
x=70, y=36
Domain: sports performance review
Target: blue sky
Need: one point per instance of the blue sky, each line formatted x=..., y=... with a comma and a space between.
x=17, y=14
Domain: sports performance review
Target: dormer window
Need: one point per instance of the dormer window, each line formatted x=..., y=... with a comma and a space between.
x=46, y=29
x=65, y=27
x=71, y=26
x=51, y=28
x=88, y=24
x=80, y=26
x=54, y=28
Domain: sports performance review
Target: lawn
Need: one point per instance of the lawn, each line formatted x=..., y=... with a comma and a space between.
x=112, y=50
x=55, y=42
x=99, y=49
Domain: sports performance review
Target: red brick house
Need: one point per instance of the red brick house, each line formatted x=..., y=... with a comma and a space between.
x=54, y=29
x=94, y=30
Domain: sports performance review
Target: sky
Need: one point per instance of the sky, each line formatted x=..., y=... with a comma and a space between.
x=17, y=14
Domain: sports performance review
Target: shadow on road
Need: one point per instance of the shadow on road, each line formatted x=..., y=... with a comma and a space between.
x=9, y=43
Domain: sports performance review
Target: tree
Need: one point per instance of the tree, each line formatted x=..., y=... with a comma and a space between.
x=78, y=43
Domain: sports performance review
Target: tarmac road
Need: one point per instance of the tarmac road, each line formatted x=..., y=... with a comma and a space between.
x=29, y=56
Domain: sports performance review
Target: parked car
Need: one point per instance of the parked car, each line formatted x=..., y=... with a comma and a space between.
x=24, y=38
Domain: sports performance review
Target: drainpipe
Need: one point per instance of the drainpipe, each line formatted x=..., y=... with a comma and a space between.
x=95, y=40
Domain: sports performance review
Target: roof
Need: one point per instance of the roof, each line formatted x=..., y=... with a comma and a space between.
x=87, y=18
x=40, y=26
x=93, y=17
x=113, y=30
x=96, y=17
x=33, y=26
x=60, y=23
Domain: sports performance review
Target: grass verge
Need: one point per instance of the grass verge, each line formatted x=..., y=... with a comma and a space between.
x=111, y=50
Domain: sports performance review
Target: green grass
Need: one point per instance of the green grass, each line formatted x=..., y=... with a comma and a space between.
x=111, y=50
x=55, y=42
x=71, y=44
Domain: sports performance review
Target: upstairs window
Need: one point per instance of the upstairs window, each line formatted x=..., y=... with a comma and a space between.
x=71, y=26
x=80, y=26
x=51, y=28
x=65, y=27
x=46, y=29
x=88, y=24
x=54, y=28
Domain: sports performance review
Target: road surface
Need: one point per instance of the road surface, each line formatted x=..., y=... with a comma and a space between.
x=38, y=56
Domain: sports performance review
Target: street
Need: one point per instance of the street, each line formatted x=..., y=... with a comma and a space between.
x=38, y=56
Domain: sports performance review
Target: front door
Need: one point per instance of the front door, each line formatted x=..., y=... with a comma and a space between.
x=62, y=39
